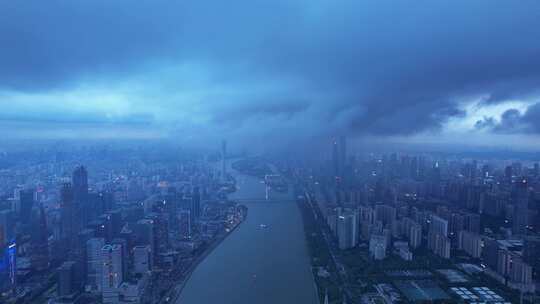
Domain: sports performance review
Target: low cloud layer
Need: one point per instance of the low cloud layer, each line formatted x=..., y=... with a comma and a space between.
x=257, y=69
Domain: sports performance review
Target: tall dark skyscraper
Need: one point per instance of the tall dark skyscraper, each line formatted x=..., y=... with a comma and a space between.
x=80, y=196
x=27, y=202
x=39, y=241
x=521, y=204
x=68, y=220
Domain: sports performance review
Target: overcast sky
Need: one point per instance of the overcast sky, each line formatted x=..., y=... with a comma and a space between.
x=280, y=71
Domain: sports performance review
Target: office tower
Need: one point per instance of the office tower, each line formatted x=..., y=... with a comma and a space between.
x=184, y=219
x=68, y=220
x=111, y=257
x=171, y=201
x=7, y=224
x=39, y=240
x=125, y=255
x=78, y=254
x=531, y=255
x=161, y=235
x=67, y=285
x=26, y=198
x=144, y=233
x=195, y=205
x=142, y=259
x=114, y=224
x=377, y=246
x=81, y=208
x=521, y=207
x=94, y=263
x=8, y=266
x=347, y=230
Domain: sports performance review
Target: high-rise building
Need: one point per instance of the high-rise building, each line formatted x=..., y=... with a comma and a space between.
x=8, y=266
x=111, y=256
x=125, y=255
x=531, y=255
x=439, y=244
x=7, y=224
x=142, y=259
x=67, y=282
x=144, y=233
x=39, y=240
x=195, y=205
x=26, y=198
x=68, y=219
x=438, y=225
x=184, y=220
x=386, y=214
x=471, y=243
x=82, y=209
x=377, y=246
x=521, y=203
x=94, y=262
x=347, y=230
x=415, y=235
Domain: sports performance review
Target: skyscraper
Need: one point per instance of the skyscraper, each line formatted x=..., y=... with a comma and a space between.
x=521, y=211
x=26, y=198
x=80, y=196
x=39, y=240
x=68, y=220
x=66, y=279
x=184, y=219
x=111, y=257
x=142, y=259
x=7, y=224
x=94, y=262
x=347, y=230
x=195, y=205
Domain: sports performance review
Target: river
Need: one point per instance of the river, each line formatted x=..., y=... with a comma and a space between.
x=257, y=265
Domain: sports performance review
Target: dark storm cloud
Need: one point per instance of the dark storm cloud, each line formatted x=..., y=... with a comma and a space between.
x=362, y=67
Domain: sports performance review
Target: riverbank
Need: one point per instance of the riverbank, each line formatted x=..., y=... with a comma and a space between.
x=322, y=267
x=177, y=290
